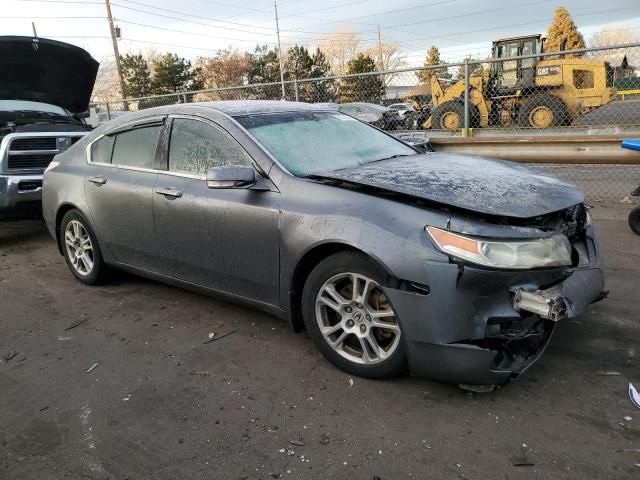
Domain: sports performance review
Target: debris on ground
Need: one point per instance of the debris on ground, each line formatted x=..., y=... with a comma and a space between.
x=127, y=398
x=92, y=367
x=211, y=335
x=78, y=323
x=634, y=395
x=324, y=439
x=630, y=450
x=216, y=338
x=628, y=419
x=350, y=382
x=297, y=443
x=477, y=388
x=10, y=356
x=522, y=460
x=44, y=408
x=607, y=373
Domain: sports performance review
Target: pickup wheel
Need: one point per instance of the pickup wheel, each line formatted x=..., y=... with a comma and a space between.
x=80, y=249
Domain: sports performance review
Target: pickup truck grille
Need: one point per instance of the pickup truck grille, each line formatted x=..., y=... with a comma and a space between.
x=35, y=143
x=31, y=161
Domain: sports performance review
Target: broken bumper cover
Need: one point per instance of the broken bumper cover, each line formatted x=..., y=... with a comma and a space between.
x=483, y=327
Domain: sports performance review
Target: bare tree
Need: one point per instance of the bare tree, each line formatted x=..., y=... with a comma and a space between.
x=107, y=86
x=392, y=58
x=340, y=47
x=610, y=35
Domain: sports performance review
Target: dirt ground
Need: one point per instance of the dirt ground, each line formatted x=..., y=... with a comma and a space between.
x=262, y=403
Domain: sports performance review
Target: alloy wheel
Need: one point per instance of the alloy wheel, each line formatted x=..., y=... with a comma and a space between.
x=356, y=319
x=79, y=247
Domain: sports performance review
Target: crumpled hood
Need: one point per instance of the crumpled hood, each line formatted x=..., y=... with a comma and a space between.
x=494, y=187
x=42, y=70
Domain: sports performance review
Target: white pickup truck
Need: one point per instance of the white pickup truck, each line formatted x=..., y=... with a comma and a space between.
x=45, y=87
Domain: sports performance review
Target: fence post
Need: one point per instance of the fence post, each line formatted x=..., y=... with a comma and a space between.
x=297, y=88
x=466, y=97
x=108, y=111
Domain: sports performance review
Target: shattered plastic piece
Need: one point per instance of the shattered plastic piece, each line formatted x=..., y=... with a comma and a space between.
x=92, y=367
x=477, y=388
x=634, y=395
x=521, y=461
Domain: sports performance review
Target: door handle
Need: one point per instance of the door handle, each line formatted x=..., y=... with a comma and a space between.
x=98, y=180
x=169, y=192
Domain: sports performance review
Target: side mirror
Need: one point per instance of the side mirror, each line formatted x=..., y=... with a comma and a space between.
x=231, y=176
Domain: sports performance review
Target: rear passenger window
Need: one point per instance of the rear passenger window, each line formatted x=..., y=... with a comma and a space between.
x=101, y=150
x=136, y=148
x=195, y=147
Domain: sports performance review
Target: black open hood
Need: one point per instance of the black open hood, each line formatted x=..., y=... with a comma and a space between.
x=46, y=71
x=492, y=187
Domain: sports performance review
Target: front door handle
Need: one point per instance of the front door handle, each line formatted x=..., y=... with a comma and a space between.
x=98, y=180
x=169, y=192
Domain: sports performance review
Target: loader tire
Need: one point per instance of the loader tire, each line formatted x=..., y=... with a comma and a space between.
x=543, y=111
x=450, y=116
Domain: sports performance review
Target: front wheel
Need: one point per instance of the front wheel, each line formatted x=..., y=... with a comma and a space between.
x=80, y=249
x=634, y=220
x=349, y=318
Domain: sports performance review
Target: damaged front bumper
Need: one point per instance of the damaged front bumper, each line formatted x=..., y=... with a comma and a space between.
x=485, y=327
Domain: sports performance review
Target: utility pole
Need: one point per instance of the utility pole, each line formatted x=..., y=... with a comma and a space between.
x=275, y=5
x=380, y=52
x=115, y=50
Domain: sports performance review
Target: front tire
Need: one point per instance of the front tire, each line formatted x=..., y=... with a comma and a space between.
x=80, y=249
x=349, y=318
x=543, y=111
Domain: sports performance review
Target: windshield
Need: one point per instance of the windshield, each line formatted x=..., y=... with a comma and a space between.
x=308, y=142
x=25, y=105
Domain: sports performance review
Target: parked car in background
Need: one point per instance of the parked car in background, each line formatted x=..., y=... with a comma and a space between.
x=455, y=267
x=45, y=88
x=401, y=108
x=379, y=116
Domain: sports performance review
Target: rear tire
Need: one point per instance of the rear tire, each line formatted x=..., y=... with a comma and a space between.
x=360, y=332
x=543, y=111
x=634, y=220
x=81, y=250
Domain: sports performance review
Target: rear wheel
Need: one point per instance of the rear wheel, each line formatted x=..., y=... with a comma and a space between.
x=350, y=319
x=80, y=249
x=543, y=111
x=634, y=220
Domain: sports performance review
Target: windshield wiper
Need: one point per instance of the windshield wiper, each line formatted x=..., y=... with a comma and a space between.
x=397, y=155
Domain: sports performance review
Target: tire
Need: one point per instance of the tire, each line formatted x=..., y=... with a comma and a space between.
x=77, y=236
x=545, y=105
x=385, y=355
x=634, y=220
x=442, y=114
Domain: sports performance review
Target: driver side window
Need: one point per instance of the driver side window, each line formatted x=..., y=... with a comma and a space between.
x=195, y=147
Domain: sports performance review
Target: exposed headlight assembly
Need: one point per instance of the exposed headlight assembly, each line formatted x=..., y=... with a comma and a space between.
x=553, y=251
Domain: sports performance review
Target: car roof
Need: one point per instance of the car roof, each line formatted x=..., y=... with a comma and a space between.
x=256, y=107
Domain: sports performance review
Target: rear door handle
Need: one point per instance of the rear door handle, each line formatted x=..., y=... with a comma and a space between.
x=169, y=192
x=98, y=180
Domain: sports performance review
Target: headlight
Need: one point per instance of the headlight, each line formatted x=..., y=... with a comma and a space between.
x=513, y=254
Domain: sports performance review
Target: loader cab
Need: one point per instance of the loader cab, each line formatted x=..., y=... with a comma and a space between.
x=508, y=76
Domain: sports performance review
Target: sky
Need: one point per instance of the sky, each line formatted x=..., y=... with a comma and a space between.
x=195, y=28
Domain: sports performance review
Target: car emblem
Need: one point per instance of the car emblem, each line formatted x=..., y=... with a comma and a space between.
x=357, y=317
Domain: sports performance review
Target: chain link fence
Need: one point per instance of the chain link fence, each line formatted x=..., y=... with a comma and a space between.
x=517, y=91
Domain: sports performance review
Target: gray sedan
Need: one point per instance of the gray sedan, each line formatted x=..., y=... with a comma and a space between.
x=457, y=268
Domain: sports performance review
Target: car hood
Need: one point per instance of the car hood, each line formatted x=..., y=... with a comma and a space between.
x=492, y=187
x=46, y=71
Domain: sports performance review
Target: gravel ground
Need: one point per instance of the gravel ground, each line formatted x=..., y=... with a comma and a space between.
x=262, y=403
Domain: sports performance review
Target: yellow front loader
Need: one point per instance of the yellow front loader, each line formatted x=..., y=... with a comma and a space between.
x=524, y=93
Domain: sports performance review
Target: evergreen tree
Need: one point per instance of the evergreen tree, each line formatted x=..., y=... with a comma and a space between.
x=369, y=88
x=320, y=90
x=135, y=71
x=264, y=67
x=433, y=58
x=561, y=27
x=299, y=63
x=173, y=74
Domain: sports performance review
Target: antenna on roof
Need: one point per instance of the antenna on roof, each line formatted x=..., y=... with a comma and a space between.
x=33, y=25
